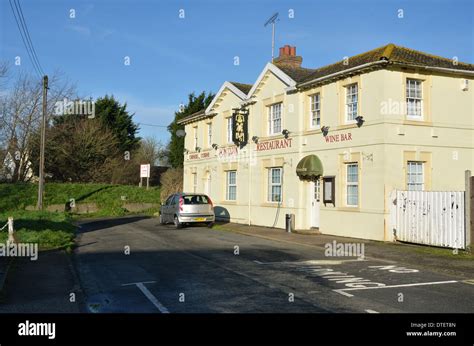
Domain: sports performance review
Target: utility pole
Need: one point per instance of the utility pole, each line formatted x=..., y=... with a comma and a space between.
x=43, y=144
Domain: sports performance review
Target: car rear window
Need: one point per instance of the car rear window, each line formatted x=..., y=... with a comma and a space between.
x=196, y=199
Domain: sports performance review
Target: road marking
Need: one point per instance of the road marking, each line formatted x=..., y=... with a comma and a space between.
x=372, y=311
x=141, y=282
x=310, y=262
x=149, y=295
x=470, y=282
x=342, y=290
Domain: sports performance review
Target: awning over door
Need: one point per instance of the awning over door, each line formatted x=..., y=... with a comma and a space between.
x=309, y=167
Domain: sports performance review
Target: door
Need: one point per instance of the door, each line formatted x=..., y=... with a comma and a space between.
x=167, y=209
x=315, y=195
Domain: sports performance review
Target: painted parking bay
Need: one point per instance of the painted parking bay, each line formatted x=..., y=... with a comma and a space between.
x=384, y=282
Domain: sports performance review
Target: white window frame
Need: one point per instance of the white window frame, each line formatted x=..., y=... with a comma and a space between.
x=230, y=185
x=315, y=110
x=209, y=134
x=275, y=119
x=415, y=175
x=352, y=184
x=414, y=95
x=195, y=182
x=271, y=184
x=350, y=104
x=229, y=129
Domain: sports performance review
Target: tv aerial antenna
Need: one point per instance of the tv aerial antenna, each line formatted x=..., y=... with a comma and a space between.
x=272, y=20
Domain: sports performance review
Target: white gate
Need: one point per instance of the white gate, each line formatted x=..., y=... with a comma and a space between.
x=429, y=217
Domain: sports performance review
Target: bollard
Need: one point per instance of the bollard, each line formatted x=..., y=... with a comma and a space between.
x=11, y=238
x=288, y=221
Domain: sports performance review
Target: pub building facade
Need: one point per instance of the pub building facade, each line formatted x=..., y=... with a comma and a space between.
x=330, y=144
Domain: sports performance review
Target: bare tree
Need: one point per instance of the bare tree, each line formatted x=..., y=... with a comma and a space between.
x=21, y=116
x=151, y=151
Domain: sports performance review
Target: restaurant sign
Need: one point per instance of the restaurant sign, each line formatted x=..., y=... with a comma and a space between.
x=274, y=144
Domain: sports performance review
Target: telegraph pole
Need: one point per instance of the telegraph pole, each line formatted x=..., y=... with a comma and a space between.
x=43, y=144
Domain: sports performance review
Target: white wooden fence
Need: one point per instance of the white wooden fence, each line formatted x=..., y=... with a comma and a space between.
x=429, y=217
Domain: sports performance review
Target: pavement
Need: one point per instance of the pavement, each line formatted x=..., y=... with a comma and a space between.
x=133, y=264
x=42, y=286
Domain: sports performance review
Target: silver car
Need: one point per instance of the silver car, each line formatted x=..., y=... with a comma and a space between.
x=185, y=208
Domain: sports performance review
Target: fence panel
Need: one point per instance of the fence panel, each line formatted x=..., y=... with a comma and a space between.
x=429, y=217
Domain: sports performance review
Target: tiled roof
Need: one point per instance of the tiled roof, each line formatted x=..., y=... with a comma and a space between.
x=392, y=54
x=298, y=74
x=245, y=88
x=195, y=115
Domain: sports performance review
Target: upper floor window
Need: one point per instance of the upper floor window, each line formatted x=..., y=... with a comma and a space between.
x=209, y=134
x=195, y=138
x=415, y=178
x=315, y=109
x=414, y=98
x=352, y=98
x=229, y=130
x=274, y=119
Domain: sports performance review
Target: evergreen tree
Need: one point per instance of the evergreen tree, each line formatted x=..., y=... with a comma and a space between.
x=176, y=144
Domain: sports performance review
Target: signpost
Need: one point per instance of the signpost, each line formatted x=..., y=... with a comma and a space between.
x=145, y=173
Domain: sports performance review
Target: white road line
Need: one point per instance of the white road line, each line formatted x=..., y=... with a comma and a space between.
x=311, y=262
x=342, y=290
x=149, y=295
x=152, y=298
x=372, y=311
x=141, y=282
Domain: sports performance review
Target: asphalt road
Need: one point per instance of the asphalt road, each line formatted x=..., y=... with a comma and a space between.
x=134, y=264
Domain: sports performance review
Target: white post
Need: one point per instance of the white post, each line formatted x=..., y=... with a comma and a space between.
x=11, y=239
x=467, y=208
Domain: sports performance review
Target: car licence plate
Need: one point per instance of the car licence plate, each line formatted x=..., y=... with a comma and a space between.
x=199, y=219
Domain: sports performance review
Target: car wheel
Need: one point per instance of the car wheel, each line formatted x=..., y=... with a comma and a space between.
x=177, y=224
x=210, y=224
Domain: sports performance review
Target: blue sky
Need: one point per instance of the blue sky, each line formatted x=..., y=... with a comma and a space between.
x=171, y=57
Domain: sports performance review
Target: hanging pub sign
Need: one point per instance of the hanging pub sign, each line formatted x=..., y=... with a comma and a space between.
x=240, y=131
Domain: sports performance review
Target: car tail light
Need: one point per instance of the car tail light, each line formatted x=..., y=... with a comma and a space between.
x=210, y=202
x=181, y=202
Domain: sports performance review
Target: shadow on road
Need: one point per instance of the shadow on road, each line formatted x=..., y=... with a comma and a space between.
x=94, y=225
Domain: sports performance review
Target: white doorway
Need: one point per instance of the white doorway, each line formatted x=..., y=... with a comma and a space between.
x=315, y=197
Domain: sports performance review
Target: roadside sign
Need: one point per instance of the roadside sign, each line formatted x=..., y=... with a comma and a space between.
x=145, y=171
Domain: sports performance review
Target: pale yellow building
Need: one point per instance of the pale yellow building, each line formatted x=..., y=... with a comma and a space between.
x=330, y=144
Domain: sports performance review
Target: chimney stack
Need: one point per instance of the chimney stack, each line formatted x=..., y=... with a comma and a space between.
x=288, y=57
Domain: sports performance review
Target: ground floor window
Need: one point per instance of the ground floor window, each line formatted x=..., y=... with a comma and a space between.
x=274, y=184
x=195, y=182
x=415, y=178
x=352, y=184
x=231, y=188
